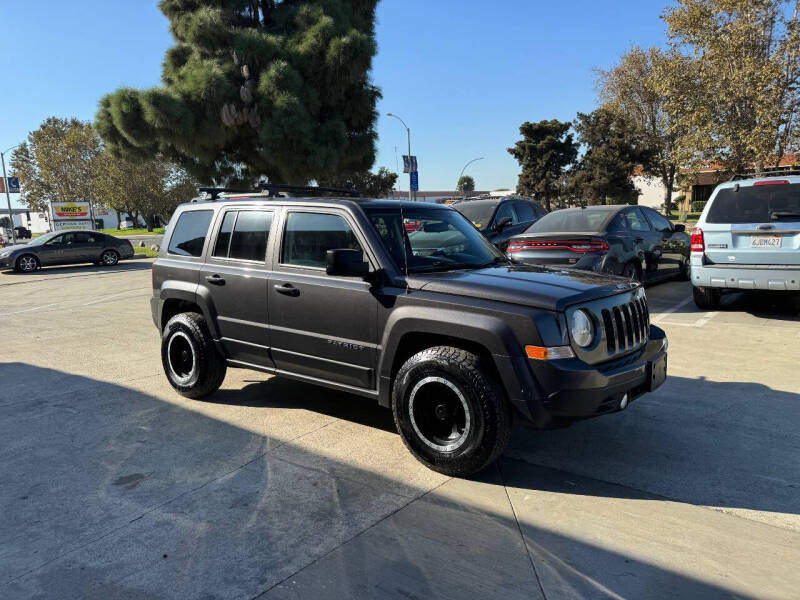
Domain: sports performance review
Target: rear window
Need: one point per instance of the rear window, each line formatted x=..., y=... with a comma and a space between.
x=190, y=232
x=587, y=219
x=756, y=204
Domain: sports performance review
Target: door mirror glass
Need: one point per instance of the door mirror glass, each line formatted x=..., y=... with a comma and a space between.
x=346, y=262
x=680, y=227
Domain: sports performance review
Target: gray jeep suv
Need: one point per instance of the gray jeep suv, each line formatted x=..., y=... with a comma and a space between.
x=455, y=338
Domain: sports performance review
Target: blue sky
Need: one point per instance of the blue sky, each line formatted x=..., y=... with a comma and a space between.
x=463, y=75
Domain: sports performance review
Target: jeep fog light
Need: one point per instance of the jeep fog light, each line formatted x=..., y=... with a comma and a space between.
x=581, y=328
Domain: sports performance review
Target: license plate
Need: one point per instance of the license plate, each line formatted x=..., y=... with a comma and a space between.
x=765, y=241
x=658, y=372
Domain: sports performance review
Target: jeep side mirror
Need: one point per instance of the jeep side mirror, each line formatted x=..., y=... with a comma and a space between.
x=680, y=227
x=345, y=262
x=503, y=223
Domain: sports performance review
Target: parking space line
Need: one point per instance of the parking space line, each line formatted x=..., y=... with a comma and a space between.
x=705, y=319
x=672, y=309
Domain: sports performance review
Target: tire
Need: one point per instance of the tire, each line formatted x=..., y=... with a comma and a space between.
x=706, y=298
x=109, y=258
x=191, y=361
x=685, y=273
x=450, y=413
x=27, y=263
x=632, y=271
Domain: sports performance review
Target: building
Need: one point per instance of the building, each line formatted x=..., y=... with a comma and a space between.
x=39, y=221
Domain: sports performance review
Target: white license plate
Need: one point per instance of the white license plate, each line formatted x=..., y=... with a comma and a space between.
x=765, y=241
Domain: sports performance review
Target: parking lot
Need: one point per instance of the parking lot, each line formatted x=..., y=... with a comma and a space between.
x=114, y=486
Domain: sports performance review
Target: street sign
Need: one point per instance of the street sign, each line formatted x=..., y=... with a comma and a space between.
x=414, y=181
x=409, y=163
x=13, y=185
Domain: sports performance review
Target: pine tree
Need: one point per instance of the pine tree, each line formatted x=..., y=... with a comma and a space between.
x=256, y=88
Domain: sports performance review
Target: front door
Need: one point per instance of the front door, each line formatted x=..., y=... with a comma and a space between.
x=54, y=251
x=234, y=276
x=321, y=326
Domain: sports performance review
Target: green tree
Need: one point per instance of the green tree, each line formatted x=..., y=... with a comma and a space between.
x=369, y=184
x=732, y=80
x=149, y=188
x=631, y=89
x=544, y=152
x=5, y=222
x=466, y=184
x=256, y=88
x=56, y=163
x=613, y=148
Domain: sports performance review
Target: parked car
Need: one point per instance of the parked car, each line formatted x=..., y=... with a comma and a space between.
x=634, y=242
x=64, y=248
x=499, y=219
x=23, y=233
x=747, y=238
x=458, y=343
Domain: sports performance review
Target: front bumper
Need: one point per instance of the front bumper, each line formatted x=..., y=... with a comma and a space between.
x=571, y=389
x=7, y=262
x=747, y=277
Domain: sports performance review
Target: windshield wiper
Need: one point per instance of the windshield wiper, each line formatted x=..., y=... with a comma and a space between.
x=780, y=214
x=497, y=260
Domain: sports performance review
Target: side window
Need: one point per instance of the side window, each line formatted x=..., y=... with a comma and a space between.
x=308, y=237
x=636, y=221
x=619, y=224
x=525, y=212
x=85, y=238
x=190, y=232
x=506, y=210
x=56, y=241
x=659, y=223
x=249, y=239
x=224, y=235
x=68, y=239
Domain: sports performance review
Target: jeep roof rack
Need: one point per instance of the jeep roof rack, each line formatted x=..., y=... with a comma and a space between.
x=773, y=172
x=272, y=190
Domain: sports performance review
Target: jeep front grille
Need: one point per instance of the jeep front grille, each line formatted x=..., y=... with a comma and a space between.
x=626, y=326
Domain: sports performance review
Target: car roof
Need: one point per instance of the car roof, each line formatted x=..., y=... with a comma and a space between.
x=751, y=181
x=597, y=208
x=263, y=200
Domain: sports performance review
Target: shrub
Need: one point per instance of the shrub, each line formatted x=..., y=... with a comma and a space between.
x=698, y=206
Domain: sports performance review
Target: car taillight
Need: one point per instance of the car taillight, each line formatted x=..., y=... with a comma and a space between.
x=698, y=241
x=572, y=245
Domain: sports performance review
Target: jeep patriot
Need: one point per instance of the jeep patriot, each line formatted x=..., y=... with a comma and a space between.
x=434, y=323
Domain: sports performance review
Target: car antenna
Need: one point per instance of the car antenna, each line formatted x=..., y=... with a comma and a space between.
x=406, y=244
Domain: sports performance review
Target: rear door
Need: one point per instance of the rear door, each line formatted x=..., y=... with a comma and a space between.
x=673, y=243
x=525, y=213
x=756, y=224
x=87, y=247
x=647, y=243
x=234, y=276
x=321, y=326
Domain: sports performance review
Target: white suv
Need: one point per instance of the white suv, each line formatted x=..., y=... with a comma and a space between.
x=748, y=238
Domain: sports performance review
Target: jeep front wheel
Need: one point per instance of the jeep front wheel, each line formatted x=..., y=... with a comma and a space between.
x=450, y=413
x=191, y=362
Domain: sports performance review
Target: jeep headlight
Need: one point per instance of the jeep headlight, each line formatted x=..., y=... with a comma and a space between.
x=582, y=328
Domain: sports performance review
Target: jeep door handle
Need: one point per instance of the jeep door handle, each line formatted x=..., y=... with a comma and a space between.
x=215, y=279
x=287, y=289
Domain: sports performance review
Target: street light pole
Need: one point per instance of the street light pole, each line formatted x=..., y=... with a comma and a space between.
x=408, y=131
x=8, y=194
x=464, y=169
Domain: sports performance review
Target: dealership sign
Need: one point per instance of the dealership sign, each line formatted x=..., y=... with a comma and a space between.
x=67, y=211
x=72, y=224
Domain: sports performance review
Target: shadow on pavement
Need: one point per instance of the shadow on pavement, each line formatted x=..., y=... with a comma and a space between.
x=106, y=491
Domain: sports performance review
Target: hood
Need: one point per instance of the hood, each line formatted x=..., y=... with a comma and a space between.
x=528, y=285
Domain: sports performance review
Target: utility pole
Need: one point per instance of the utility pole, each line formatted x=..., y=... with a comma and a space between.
x=408, y=131
x=8, y=194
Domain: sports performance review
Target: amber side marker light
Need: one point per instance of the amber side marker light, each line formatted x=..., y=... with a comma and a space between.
x=551, y=353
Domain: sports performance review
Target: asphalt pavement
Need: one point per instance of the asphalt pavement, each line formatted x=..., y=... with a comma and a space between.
x=114, y=486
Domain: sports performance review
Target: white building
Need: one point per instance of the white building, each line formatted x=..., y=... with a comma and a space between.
x=40, y=222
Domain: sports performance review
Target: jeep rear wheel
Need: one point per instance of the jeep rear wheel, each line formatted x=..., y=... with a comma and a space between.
x=706, y=298
x=451, y=414
x=191, y=362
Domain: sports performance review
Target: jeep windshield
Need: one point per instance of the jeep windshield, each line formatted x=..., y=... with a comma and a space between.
x=756, y=204
x=432, y=239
